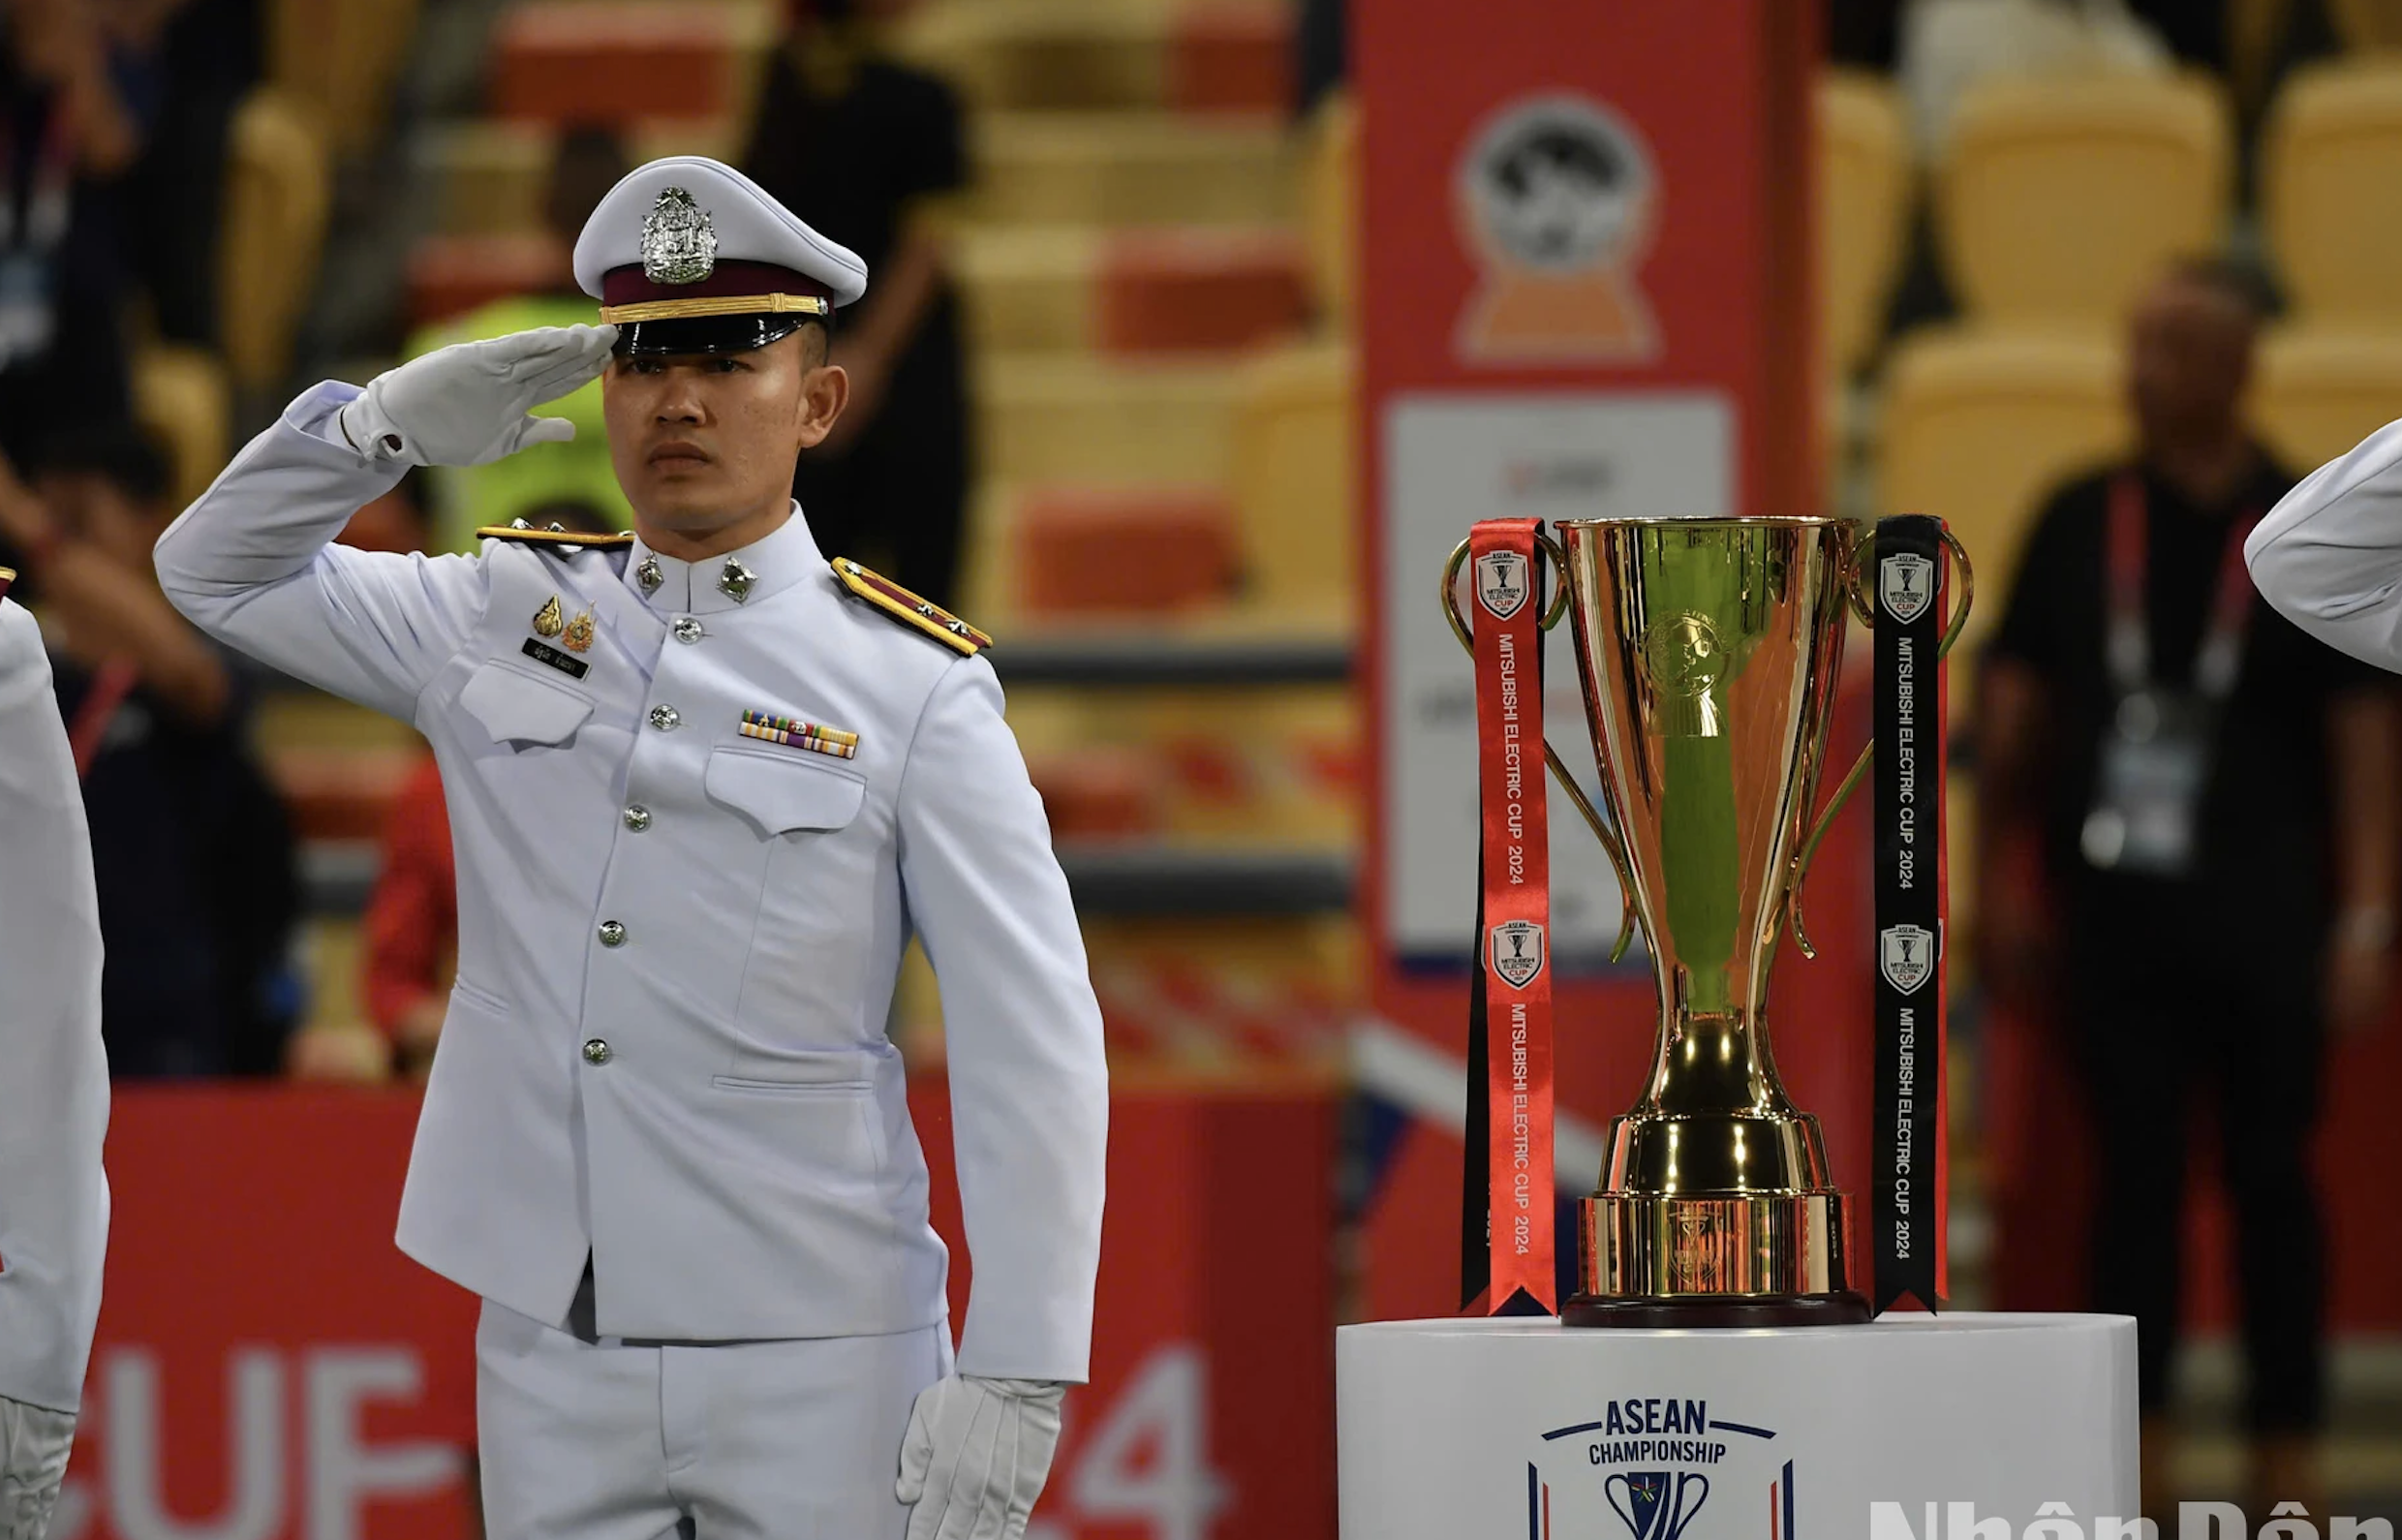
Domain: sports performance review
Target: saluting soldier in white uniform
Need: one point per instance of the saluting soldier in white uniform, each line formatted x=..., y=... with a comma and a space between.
x=703, y=784
x=54, y=1085
x=2329, y=556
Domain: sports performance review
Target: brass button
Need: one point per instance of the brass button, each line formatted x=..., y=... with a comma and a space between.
x=596, y=1052
x=688, y=630
x=666, y=719
x=637, y=817
x=612, y=934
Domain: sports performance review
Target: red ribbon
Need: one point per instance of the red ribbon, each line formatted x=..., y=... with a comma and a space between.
x=1505, y=599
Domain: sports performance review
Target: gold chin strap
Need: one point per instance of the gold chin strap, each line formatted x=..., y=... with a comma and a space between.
x=719, y=305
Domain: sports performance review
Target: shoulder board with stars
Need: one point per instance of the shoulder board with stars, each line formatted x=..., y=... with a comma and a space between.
x=575, y=540
x=910, y=609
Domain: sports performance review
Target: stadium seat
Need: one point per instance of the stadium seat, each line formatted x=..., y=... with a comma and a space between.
x=1328, y=203
x=276, y=197
x=565, y=61
x=1863, y=199
x=1129, y=168
x=1044, y=419
x=1028, y=289
x=2333, y=134
x=2316, y=394
x=2367, y=24
x=1979, y=426
x=2057, y=200
x=1082, y=55
x=1199, y=291
x=180, y=394
x=1224, y=58
x=449, y=275
x=1085, y=551
x=340, y=59
x=1294, y=482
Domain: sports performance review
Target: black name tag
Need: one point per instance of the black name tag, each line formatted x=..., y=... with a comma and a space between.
x=541, y=653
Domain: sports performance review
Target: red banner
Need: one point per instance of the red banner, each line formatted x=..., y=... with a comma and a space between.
x=1505, y=589
x=270, y=1367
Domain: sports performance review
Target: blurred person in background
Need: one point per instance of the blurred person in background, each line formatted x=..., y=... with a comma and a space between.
x=194, y=61
x=2179, y=761
x=585, y=163
x=873, y=148
x=54, y=1087
x=69, y=128
x=198, y=882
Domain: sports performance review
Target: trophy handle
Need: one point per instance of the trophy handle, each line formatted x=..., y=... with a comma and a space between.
x=1628, y=919
x=1856, y=591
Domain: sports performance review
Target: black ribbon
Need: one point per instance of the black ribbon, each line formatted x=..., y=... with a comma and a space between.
x=1906, y=1202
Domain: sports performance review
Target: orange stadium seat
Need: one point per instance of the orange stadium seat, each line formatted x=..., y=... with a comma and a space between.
x=278, y=190
x=1979, y=425
x=2057, y=200
x=1231, y=59
x=2317, y=393
x=1083, y=551
x=449, y=275
x=566, y=61
x=2333, y=136
x=1199, y=290
x=1864, y=196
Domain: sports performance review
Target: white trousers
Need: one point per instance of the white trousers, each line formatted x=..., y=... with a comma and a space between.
x=784, y=1441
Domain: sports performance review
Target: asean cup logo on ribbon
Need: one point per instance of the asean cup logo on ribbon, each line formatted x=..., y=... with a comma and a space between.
x=1502, y=583
x=1906, y=955
x=1556, y=196
x=1517, y=952
x=1906, y=585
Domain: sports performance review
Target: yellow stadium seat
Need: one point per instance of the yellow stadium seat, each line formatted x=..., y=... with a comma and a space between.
x=1131, y=168
x=1092, y=55
x=1028, y=286
x=2316, y=394
x=1330, y=206
x=1979, y=425
x=1295, y=483
x=180, y=394
x=1863, y=203
x=340, y=57
x=1081, y=419
x=2367, y=23
x=277, y=190
x=2330, y=158
x=2057, y=200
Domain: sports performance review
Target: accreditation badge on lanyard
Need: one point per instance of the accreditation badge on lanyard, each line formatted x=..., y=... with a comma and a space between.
x=33, y=221
x=2159, y=743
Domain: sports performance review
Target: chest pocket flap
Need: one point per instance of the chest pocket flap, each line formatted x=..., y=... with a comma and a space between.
x=515, y=706
x=782, y=790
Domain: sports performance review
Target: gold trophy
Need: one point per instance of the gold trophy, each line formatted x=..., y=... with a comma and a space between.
x=1709, y=650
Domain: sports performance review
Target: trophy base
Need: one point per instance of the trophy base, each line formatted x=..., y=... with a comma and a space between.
x=1704, y=1312
x=1710, y=1247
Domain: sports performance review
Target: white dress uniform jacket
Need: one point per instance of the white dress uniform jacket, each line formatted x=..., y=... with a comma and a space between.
x=677, y=944
x=2329, y=556
x=54, y=1075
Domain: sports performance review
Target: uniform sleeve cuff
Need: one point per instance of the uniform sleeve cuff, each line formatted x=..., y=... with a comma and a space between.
x=318, y=413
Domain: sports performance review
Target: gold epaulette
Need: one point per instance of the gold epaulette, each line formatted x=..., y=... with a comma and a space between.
x=8, y=575
x=575, y=537
x=908, y=609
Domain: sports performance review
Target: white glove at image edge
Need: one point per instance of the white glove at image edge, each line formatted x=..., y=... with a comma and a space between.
x=470, y=403
x=975, y=1456
x=34, y=1444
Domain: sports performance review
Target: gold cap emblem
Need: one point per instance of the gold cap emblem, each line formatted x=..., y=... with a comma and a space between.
x=550, y=620
x=679, y=244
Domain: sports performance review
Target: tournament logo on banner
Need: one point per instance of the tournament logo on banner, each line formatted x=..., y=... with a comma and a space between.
x=1649, y=1466
x=1556, y=194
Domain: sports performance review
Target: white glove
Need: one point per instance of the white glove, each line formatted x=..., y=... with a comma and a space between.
x=467, y=404
x=975, y=1456
x=33, y=1442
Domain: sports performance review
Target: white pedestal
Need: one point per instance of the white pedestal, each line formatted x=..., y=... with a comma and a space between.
x=1494, y=1430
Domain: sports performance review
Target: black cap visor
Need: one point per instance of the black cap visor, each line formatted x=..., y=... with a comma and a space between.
x=706, y=334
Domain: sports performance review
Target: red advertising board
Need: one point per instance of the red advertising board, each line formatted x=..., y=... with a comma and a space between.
x=269, y=1367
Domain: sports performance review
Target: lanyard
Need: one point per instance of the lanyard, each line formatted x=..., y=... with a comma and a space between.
x=2129, y=638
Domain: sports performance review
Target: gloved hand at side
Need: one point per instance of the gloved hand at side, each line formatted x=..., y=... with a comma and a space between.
x=33, y=1442
x=975, y=1456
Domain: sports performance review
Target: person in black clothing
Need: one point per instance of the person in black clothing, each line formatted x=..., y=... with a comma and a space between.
x=2183, y=758
x=194, y=860
x=862, y=145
